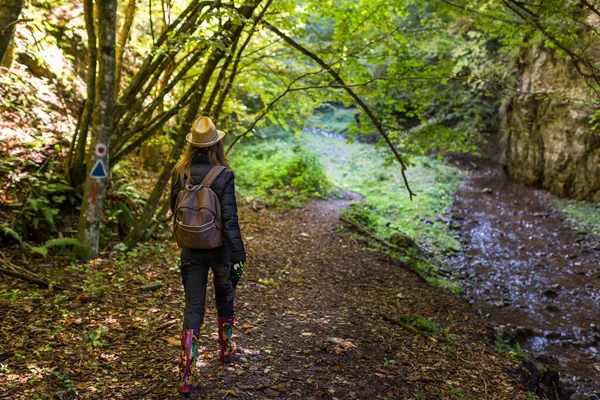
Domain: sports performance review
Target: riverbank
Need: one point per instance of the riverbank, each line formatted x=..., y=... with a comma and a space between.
x=532, y=272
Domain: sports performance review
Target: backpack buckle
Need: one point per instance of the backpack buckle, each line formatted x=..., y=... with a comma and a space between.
x=194, y=187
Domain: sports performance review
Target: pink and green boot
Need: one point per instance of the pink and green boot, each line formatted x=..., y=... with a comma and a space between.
x=187, y=363
x=228, y=347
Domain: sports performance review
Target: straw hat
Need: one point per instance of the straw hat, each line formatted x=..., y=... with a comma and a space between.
x=204, y=133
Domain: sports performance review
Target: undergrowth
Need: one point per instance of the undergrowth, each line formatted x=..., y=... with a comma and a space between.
x=387, y=209
x=279, y=173
x=585, y=215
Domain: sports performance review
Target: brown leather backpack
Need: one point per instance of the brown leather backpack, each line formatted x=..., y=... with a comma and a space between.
x=197, y=221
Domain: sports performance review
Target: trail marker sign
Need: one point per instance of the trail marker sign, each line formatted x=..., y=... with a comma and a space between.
x=101, y=149
x=99, y=170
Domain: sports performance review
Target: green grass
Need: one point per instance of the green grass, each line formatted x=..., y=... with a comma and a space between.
x=585, y=215
x=359, y=167
x=279, y=173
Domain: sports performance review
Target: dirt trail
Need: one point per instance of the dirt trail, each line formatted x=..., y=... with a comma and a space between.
x=310, y=312
x=333, y=287
x=531, y=273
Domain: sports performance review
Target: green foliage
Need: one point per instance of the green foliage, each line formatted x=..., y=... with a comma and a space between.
x=43, y=195
x=421, y=323
x=53, y=243
x=502, y=347
x=279, y=173
x=389, y=363
x=388, y=209
x=123, y=202
x=67, y=382
x=585, y=215
x=94, y=336
x=12, y=233
x=12, y=294
x=333, y=119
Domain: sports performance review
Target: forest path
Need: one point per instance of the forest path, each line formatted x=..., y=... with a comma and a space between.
x=310, y=320
x=313, y=322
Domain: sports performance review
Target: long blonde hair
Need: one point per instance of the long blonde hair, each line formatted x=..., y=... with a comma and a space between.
x=216, y=155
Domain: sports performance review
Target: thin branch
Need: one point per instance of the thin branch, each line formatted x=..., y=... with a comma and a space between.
x=18, y=21
x=511, y=4
x=266, y=110
x=352, y=94
x=590, y=6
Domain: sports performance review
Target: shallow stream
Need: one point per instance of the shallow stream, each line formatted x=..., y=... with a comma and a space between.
x=533, y=275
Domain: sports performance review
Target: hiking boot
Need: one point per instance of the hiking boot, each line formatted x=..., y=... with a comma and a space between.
x=187, y=363
x=228, y=347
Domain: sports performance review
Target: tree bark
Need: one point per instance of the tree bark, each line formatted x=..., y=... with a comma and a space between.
x=122, y=42
x=9, y=14
x=145, y=220
x=95, y=188
x=79, y=141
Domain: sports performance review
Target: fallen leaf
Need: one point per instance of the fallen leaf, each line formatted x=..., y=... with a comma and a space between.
x=279, y=388
x=306, y=333
x=174, y=341
x=232, y=392
x=207, y=356
x=271, y=393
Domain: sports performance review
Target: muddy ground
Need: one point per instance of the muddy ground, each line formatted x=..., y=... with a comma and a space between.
x=315, y=313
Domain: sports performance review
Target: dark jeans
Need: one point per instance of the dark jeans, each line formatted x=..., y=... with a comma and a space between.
x=194, y=273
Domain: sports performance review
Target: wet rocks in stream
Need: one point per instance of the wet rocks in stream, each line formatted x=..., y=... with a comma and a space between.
x=532, y=275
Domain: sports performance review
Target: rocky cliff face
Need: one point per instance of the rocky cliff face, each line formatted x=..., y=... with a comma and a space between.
x=546, y=136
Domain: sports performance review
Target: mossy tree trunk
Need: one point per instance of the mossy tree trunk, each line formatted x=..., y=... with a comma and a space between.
x=9, y=14
x=79, y=141
x=103, y=117
x=122, y=41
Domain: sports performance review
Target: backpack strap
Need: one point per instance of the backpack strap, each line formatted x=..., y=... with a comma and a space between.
x=212, y=175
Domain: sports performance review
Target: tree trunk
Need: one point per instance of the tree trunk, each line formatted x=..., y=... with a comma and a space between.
x=216, y=111
x=144, y=221
x=9, y=13
x=77, y=161
x=95, y=185
x=122, y=41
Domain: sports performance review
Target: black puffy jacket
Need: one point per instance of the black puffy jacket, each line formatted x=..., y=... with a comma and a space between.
x=233, y=247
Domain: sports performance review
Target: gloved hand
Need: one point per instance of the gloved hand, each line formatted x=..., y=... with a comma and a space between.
x=235, y=272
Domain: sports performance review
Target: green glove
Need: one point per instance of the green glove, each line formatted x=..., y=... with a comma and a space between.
x=235, y=272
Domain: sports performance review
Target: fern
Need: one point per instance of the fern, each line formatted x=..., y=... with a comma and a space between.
x=49, y=217
x=13, y=234
x=41, y=250
x=59, y=242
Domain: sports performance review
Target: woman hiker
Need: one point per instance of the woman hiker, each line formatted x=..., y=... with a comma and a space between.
x=202, y=173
